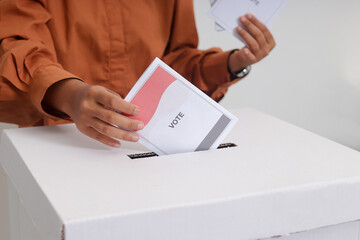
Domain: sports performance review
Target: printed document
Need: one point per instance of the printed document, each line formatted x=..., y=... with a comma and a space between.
x=226, y=13
x=178, y=117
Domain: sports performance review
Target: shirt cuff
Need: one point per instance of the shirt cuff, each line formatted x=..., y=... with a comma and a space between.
x=216, y=70
x=42, y=79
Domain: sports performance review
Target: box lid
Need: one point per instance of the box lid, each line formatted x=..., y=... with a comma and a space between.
x=280, y=179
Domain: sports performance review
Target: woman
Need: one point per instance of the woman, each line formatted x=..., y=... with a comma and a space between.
x=68, y=60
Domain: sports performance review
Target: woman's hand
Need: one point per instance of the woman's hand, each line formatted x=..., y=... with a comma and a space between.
x=92, y=108
x=259, y=43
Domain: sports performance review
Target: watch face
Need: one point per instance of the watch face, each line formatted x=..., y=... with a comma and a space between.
x=242, y=73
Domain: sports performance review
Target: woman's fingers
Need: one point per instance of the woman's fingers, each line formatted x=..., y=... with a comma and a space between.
x=249, y=39
x=267, y=34
x=257, y=36
x=96, y=135
x=95, y=116
x=117, y=119
x=113, y=101
x=258, y=39
x=113, y=131
x=95, y=111
x=247, y=56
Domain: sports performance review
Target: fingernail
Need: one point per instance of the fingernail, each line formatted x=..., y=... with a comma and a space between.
x=246, y=51
x=249, y=15
x=239, y=28
x=136, y=110
x=117, y=145
x=242, y=19
x=134, y=138
x=140, y=126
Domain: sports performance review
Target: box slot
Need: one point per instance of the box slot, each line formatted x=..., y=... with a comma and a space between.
x=152, y=154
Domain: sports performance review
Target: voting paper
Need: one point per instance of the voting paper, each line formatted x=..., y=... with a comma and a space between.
x=226, y=13
x=217, y=26
x=178, y=117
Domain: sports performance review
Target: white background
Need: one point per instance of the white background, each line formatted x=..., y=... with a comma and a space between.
x=311, y=79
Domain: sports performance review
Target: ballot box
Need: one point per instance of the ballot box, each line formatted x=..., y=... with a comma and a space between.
x=279, y=181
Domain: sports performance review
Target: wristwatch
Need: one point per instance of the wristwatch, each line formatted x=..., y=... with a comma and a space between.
x=240, y=74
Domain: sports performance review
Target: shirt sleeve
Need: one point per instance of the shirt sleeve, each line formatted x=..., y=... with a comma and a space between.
x=206, y=69
x=28, y=62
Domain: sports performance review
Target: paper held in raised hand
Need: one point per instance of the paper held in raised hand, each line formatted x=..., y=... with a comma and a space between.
x=226, y=13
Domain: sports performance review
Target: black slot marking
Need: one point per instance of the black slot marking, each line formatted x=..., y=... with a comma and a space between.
x=152, y=154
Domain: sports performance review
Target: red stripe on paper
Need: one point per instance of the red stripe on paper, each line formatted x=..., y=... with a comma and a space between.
x=148, y=97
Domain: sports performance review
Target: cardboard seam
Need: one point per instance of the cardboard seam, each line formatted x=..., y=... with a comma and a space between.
x=63, y=232
x=332, y=225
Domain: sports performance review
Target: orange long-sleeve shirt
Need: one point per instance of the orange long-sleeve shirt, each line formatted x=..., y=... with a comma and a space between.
x=108, y=43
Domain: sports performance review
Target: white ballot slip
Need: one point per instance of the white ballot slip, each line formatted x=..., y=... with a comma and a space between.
x=217, y=26
x=226, y=13
x=178, y=117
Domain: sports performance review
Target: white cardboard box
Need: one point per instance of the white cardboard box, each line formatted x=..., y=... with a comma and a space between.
x=279, y=180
